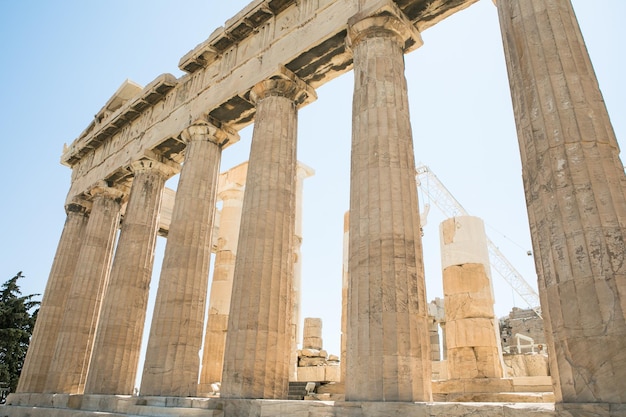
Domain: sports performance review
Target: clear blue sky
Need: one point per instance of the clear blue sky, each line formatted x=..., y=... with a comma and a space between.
x=62, y=60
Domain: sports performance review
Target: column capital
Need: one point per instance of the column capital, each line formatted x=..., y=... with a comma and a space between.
x=284, y=84
x=77, y=205
x=203, y=130
x=387, y=20
x=165, y=170
x=232, y=193
x=304, y=171
x=102, y=188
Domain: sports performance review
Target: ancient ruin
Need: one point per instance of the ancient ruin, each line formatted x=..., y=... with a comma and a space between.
x=85, y=348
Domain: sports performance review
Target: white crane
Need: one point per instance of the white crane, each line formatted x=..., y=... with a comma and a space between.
x=439, y=194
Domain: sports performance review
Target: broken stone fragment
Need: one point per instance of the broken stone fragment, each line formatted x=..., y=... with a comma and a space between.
x=310, y=353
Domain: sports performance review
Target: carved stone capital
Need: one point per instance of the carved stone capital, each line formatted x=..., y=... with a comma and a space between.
x=77, y=205
x=101, y=188
x=166, y=171
x=275, y=87
x=203, y=130
x=389, y=21
x=284, y=84
x=232, y=193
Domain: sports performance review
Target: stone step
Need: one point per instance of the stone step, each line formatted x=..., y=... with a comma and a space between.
x=496, y=397
x=239, y=408
x=64, y=405
x=135, y=411
x=152, y=411
x=297, y=390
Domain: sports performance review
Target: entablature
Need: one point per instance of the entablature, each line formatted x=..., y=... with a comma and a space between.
x=301, y=39
x=108, y=122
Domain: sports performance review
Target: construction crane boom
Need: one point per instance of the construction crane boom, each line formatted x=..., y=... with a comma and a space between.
x=443, y=198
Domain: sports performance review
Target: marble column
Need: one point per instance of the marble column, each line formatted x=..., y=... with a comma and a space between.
x=574, y=184
x=436, y=313
x=172, y=362
x=39, y=355
x=344, y=295
x=231, y=189
x=302, y=172
x=388, y=349
x=435, y=347
x=73, y=347
x=117, y=344
x=472, y=331
x=312, y=334
x=256, y=362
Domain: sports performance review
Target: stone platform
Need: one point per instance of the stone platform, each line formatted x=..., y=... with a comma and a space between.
x=62, y=405
x=537, y=389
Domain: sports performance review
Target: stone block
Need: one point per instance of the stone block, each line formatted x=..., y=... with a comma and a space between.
x=474, y=362
x=527, y=365
x=532, y=384
x=440, y=370
x=304, y=361
x=319, y=374
x=480, y=305
x=57, y=400
x=312, y=342
x=528, y=410
x=470, y=332
x=311, y=374
x=332, y=373
x=488, y=385
x=587, y=410
x=310, y=353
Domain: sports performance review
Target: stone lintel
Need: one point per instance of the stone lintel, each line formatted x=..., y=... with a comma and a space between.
x=431, y=12
x=119, y=111
x=125, y=92
x=197, y=58
x=247, y=22
x=306, y=37
x=102, y=188
x=232, y=180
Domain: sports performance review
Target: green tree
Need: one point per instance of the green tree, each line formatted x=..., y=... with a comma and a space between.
x=17, y=319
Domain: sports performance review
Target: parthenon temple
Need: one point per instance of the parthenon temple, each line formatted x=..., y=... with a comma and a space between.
x=259, y=69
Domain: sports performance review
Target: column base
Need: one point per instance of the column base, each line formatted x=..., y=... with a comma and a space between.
x=590, y=410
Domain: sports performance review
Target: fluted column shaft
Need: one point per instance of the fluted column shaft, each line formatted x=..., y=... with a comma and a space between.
x=221, y=288
x=74, y=343
x=256, y=361
x=172, y=363
x=388, y=349
x=42, y=343
x=302, y=172
x=574, y=184
x=344, y=295
x=117, y=345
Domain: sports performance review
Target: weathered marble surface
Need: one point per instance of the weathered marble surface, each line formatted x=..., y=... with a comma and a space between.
x=472, y=336
x=574, y=183
x=85, y=406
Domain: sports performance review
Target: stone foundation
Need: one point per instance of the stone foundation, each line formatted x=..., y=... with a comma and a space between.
x=53, y=405
x=519, y=390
